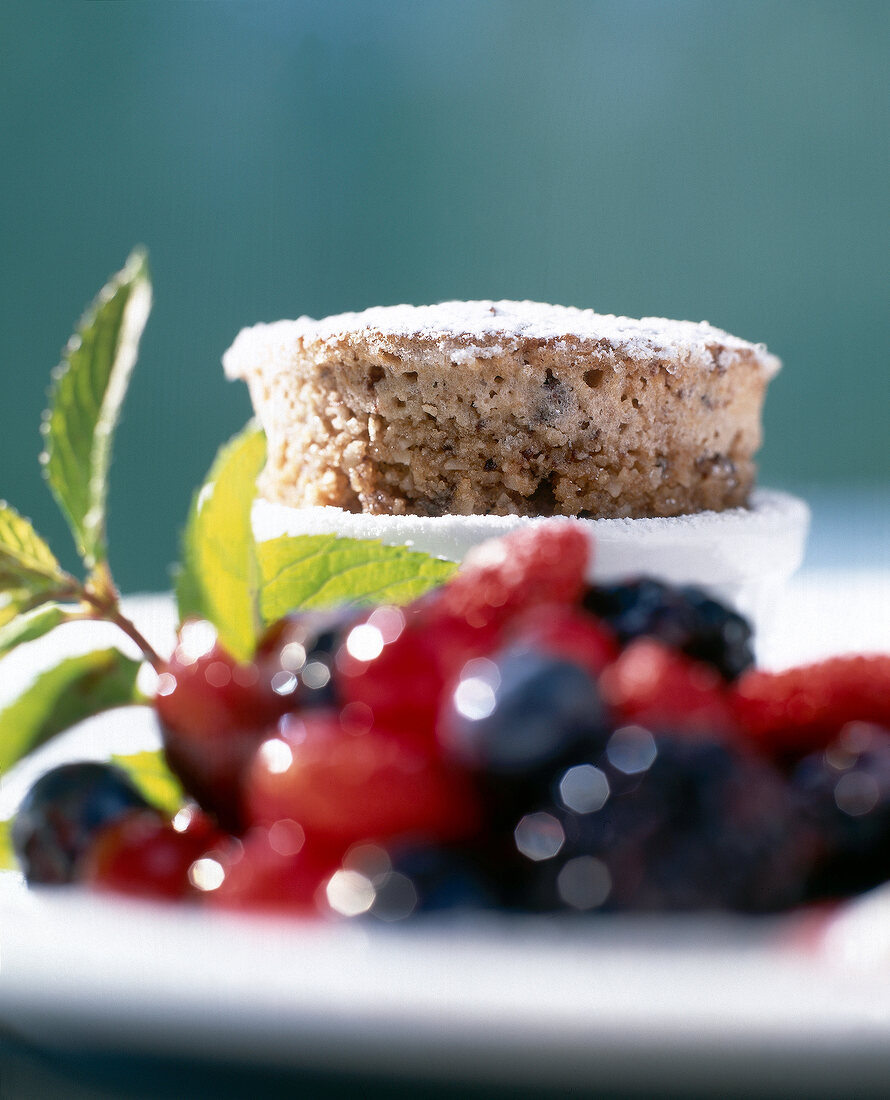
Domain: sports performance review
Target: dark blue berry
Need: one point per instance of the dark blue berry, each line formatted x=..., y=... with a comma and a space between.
x=521, y=712
x=432, y=879
x=665, y=823
x=304, y=645
x=61, y=814
x=685, y=618
x=844, y=796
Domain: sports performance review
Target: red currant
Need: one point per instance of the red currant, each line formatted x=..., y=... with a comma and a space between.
x=144, y=855
x=214, y=712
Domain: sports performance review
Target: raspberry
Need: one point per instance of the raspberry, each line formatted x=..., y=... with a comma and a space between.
x=344, y=787
x=655, y=686
x=544, y=563
x=794, y=712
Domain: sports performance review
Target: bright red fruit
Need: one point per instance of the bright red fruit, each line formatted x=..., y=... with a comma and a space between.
x=794, y=712
x=655, y=686
x=543, y=563
x=144, y=856
x=400, y=686
x=214, y=712
x=272, y=870
x=344, y=787
x=566, y=632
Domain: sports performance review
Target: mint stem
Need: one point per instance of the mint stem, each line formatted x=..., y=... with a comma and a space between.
x=104, y=607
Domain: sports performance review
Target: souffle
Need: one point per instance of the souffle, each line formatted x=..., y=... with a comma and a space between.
x=504, y=408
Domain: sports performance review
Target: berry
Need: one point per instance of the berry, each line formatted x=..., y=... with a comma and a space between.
x=297, y=654
x=655, y=686
x=845, y=796
x=567, y=632
x=62, y=813
x=271, y=870
x=543, y=563
x=802, y=709
x=430, y=879
x=214, y=713
x=394, y=673
x=343, y=787
x=143, y=855
x=676, y=824
x=685, y=618
x=520, y=713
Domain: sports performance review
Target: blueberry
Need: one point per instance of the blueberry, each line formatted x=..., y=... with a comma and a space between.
x=661, y=822
x=685, y=618
x=521, y=712
x=432, y=879
x=844, y=795
x=304, y=646
x=62, y=813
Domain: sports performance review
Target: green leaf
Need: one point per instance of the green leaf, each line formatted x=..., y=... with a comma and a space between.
x=8, y=862
x=150, y=773
x=316, y=571
x=31, y=625
x=85, y=403
x=74, y=689
x=27, y=565
x=218, y=577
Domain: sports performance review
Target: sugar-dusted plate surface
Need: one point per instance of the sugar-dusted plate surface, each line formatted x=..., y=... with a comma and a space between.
x=702, y=1005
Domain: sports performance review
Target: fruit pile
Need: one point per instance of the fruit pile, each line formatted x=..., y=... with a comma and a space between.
x=515, y=738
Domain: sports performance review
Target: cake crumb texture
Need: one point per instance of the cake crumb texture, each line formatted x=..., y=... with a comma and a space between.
x=504, y=408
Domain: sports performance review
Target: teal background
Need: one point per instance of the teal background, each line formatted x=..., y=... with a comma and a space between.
x=722, y=160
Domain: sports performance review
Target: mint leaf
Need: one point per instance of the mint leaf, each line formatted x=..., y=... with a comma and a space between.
x=31, y=625
x=28, y=567
x=316, y=571
x=85, y=404
x=218, y=577
x=72, y=690
x=150, y=773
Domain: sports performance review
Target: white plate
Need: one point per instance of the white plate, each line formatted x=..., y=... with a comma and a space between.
x=596, y=1002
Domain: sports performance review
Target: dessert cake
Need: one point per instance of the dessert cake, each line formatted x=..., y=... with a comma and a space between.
x=504, y=408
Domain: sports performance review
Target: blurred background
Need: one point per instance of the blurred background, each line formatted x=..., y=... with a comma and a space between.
x=688, y=158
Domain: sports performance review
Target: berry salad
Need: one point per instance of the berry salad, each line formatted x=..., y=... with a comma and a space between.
x=353, y=730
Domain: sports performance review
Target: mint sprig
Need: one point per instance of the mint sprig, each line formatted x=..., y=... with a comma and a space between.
x=218, y=578
x=85, y=403
x=27, y=565
x=320, y=571
x=74, y=689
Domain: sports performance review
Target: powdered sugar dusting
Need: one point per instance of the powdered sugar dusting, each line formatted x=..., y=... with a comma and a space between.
x=478, y=330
